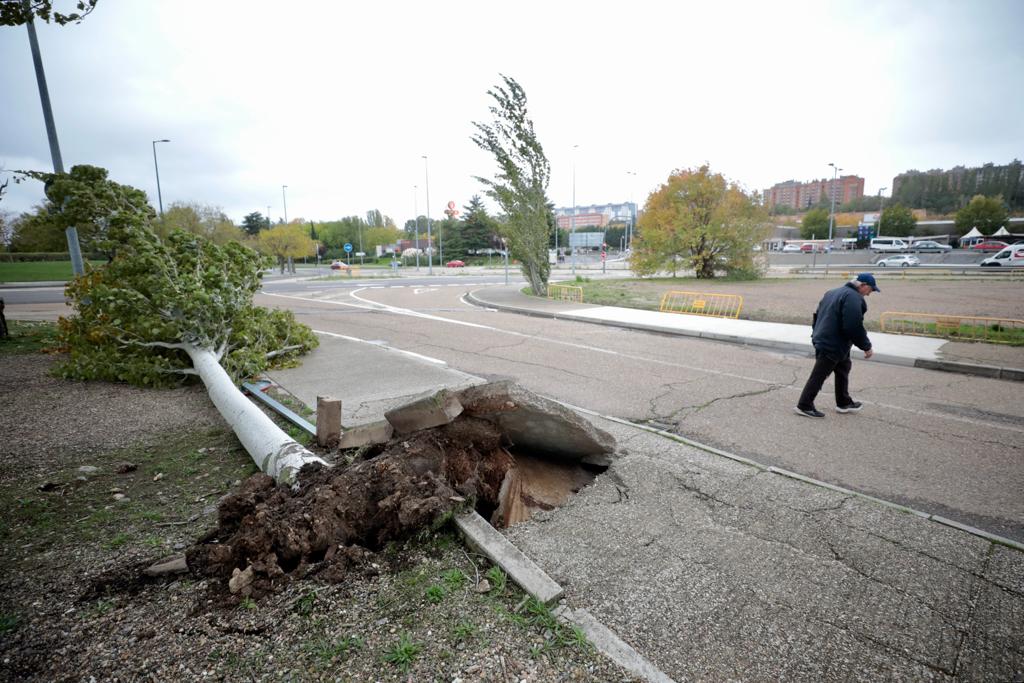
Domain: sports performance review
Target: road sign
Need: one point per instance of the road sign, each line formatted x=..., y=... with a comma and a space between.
x=347, y=248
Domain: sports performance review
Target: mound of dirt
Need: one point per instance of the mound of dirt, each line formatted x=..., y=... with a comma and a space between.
x=267, y=534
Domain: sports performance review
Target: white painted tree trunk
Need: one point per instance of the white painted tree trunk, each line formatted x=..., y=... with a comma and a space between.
x=273, y=451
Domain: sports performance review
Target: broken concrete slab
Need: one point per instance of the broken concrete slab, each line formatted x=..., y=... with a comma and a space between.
x=512, y=561
x=432, y=410
x=366, y=434
x=533, y=485
x=537, y=424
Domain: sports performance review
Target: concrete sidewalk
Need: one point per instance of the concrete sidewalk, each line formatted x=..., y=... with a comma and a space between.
x=923, y=352
x=710, y=567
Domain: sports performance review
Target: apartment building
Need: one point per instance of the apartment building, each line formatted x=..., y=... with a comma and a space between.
x=801, y=195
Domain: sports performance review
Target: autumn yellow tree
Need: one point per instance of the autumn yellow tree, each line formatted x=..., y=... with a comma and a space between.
x=698, y=220
x=286, y=242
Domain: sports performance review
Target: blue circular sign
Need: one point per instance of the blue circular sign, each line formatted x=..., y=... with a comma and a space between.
x=347, y=247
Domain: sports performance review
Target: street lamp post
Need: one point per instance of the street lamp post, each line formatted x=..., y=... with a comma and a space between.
x=831, y=214
x=416, y=215
x=430, y=244
x=632, y=217
x=70, y=233
x=156, y=167
x=268, y=217
x=284, y=199
x=572, y=219
x=880, y=200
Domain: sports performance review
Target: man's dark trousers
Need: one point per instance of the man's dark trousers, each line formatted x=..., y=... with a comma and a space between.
x=825, y=364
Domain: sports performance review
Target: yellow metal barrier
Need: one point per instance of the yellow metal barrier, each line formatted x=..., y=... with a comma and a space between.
x=698, y=303
x=566, y=293
x=956, y=327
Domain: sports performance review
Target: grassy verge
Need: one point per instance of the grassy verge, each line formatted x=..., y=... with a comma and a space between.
x=38, y=271
x=28, y=337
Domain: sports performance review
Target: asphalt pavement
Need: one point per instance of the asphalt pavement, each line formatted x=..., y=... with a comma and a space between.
x=712, y=567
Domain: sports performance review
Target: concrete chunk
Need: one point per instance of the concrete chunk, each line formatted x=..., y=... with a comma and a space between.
x=366, y=434
x=328, y=421
x=428, y=411
x=537, y=424
x=512, y=561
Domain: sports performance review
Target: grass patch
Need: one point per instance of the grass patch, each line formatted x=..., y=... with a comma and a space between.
x=28, y=337
x=39, y=271
x=402, y=654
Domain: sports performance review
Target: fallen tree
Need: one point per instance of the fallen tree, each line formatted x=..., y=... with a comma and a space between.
x=163, y=311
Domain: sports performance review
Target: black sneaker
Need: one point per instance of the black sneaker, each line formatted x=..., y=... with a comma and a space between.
x=809, y=412
x=850, y=408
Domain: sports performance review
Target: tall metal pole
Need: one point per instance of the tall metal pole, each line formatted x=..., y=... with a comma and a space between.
x=880, y=200
x=416, y=213
x=632, y=217
x=159, y=195
x=71, y=234
x=268, y=217
x=430, y=243
x=831, y=215
x=284, y=199
x=572, y=219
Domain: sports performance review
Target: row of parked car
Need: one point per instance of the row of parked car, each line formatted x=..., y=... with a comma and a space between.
x=1007, y=255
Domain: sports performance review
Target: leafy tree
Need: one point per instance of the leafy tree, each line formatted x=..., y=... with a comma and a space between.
x=520, y=186
x=987, y=214
x=815, y=224
x=898, y=221
x=7, y=220
x=254, y=222
x=478, y=228
x=699, y=219
x=199, y=219
x=165, y=310
x=285, y=243
x=18, y=12
x=86, y=199
x=37, y=231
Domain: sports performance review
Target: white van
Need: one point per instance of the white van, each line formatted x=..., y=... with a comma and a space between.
x=891, y=245
x=1012, y=255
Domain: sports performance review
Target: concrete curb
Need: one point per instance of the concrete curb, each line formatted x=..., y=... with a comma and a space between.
x=991, y=371
x=938, y=519
x=30, y=285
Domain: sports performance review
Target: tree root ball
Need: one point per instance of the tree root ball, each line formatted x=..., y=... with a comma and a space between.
x=338, y=516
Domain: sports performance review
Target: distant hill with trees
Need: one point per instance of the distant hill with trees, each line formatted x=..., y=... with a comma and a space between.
x=946, y=192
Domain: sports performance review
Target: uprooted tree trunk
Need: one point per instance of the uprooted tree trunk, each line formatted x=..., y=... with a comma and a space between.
x=273, y=451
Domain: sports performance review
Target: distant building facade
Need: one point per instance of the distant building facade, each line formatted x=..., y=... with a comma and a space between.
x=596, y=215
x=800, y=195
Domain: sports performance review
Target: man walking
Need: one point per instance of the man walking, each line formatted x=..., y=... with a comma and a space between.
x=838, y=325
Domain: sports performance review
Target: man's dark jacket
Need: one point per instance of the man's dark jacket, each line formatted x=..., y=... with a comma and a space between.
x=839, y=321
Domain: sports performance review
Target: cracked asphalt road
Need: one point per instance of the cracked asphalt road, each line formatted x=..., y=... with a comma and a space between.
x=942, y=443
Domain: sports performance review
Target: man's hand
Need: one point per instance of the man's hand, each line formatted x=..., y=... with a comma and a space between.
x=869, y=353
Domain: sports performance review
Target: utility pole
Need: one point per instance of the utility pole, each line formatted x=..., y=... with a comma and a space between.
x=430, y=244
x=831, y=215
x=51, y=133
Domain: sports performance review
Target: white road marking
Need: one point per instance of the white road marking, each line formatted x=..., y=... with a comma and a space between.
x=429, y=359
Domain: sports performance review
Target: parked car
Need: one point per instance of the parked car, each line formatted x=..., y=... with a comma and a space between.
x=1010, y=256
x=900, y=261
x=889, y=244
x=790, y=248
x=930, y=246
x=989, y=245
x=455, y=264
x=810, y=247
x=339, y=265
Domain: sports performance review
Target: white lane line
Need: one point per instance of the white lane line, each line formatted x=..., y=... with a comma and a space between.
x=385, y=345
x=373, y=306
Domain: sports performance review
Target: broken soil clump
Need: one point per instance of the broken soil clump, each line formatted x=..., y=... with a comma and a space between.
x=338, y=516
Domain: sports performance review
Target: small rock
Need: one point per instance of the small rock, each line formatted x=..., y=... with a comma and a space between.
x=484, y=586
x=166, y=566
x=158, y=476
x=145, y=633
x=126, y=467
x=457, y=499
x=88, y=469
x=241, y=581
x=119, y=497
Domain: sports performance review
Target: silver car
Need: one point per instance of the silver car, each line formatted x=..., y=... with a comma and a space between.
x=929, y=245
x=898, y=261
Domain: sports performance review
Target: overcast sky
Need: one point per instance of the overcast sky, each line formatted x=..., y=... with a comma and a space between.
x=340, y=100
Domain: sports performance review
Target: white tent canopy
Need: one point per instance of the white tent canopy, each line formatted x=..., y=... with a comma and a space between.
x=973, y=233
x=1001, y=232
